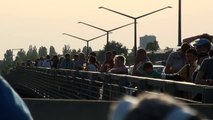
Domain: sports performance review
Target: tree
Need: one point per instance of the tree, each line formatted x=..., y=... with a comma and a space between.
x=32, y=53
x=118, y=47
x=73, y=52
x=152, y=46
x=21, y=56
x=8, y=56
x=84, y=50
x=113, y=45
x=52, y=51
x=7, y=62
x=42, y=51
x=66, y=49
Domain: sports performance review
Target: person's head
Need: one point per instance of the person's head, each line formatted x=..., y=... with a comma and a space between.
x=67, y=56
x=75, y=57
x=202, y=45
x=191, y=55
x=55, y=57
x=47, y=57
x=108, y=56
x=81, y=56
x=119, y=60
x=92, y=59
x=148, y=67
x=93, y=54
x=201, y=56
x=141, y=54
x=184, y=48
x=153, y=107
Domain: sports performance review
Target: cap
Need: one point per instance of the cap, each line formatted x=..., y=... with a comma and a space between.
x=201, y=42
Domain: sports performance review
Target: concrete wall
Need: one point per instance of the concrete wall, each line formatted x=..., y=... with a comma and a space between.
x=68, y=109
x=42, y=109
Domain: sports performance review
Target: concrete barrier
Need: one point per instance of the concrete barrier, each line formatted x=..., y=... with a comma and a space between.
x=60, y=109
x=42, y=109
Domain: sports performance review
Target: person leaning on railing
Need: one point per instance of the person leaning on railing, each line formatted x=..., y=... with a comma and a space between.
x=205, y=73
x=187, y=70
x=176, y=60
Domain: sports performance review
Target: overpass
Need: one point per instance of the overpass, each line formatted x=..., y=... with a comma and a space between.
x=70, y=94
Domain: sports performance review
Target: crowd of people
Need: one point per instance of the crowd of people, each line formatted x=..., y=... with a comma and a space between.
x=190, y=63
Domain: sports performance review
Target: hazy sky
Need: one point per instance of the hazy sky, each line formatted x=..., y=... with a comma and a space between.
x=42, y=22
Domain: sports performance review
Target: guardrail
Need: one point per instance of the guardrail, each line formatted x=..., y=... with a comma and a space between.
x=72, y=84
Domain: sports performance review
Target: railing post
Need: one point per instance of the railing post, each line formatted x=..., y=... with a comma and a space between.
x=106, y=87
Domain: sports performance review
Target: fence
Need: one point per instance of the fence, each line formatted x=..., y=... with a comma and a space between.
x=72, y=84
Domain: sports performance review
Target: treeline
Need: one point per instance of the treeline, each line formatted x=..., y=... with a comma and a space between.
x=10, y=60
x=33, y=53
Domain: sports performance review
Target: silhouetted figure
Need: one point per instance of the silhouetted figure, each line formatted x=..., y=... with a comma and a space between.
x=176, y=60
x=141, y=58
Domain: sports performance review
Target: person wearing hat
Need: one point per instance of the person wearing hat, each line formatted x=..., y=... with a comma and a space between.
x=202, y=45
x=193, y=38
x=202, y=42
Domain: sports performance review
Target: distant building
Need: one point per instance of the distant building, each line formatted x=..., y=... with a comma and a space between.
x=145, y=40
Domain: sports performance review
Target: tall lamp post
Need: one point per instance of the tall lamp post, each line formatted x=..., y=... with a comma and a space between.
x=20, y=49
x=84, y=40
x=135, y=22
x=107, y=31
x=179, y=23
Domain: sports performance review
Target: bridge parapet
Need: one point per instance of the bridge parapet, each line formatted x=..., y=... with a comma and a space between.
x=72, y=84
x=58, y=109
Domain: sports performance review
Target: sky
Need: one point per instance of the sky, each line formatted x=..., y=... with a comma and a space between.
x=42, y=22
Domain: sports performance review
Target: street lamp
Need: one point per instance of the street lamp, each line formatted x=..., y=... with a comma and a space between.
x=135, y=22
x=19, y=49
x=84, y=40
x=179, y=23
x=107, y=31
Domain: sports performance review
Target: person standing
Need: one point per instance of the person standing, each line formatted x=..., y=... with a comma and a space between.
x=176, y=60
x=141, y=58
x=67, y=63
x=187, y=70
x=119, y=65
x=108, y=63
x=205, y=73
x=79, y=65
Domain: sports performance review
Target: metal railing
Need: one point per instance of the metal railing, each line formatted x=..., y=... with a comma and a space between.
x=72, y=84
